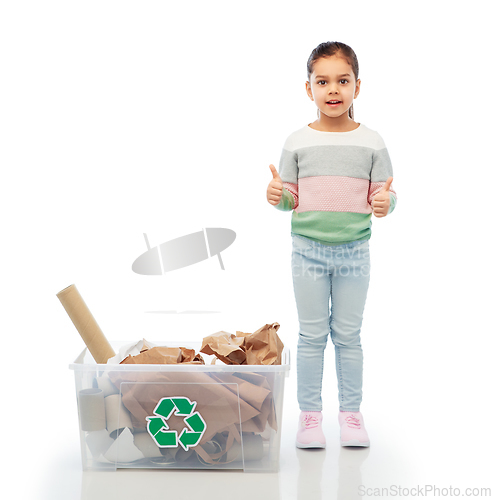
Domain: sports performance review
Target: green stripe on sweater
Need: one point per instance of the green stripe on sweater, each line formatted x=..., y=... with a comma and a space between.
x=332, y=228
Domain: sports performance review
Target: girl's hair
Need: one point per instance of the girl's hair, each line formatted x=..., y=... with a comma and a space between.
x=328, y=49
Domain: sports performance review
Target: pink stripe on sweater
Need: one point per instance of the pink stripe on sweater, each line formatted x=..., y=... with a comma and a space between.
x=331, y=193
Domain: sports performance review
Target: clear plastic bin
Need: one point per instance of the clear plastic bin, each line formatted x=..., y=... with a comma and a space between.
x=179, y=416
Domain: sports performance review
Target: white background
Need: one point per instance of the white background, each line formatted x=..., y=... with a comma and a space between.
x=158, y=117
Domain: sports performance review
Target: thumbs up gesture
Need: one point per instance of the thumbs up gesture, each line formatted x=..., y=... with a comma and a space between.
x=381, y=202
x=274, y=190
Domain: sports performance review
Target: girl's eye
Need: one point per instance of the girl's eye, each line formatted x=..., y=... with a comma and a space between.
x=322, y=82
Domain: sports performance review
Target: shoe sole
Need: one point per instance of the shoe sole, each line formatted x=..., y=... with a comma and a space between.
x=354, y=442
x=313, y=444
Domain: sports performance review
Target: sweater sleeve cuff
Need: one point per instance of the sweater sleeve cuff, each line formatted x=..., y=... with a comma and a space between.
x=286, y=202
x=392, y=203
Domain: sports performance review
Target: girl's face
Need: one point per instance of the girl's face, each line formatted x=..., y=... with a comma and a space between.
x=332, y=79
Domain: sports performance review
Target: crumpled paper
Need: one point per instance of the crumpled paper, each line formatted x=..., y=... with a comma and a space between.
x=262, y=347
x=226, y=346
x=165, y=355
x=130, y=349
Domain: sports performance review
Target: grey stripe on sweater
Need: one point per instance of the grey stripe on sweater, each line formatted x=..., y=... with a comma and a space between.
x=308, y=153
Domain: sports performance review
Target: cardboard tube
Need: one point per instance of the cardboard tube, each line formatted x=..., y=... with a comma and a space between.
x=212, y=447
x=182, y=455
x=86, y=324
x=104, y=383
x=91, y=408
x=117, y=416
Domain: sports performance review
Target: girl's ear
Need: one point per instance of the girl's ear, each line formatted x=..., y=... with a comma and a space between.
x=309, y=91
x=357, y=88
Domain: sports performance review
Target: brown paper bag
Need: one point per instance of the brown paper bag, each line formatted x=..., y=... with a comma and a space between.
x=263, y=347
x=226, y=346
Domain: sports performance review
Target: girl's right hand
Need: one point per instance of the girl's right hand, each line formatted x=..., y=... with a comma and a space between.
x=274, y=190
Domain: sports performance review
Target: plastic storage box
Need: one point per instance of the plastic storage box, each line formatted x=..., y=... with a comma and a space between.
x=179, y=416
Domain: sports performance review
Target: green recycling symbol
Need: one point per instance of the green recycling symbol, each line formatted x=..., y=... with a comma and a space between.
x=166, y=438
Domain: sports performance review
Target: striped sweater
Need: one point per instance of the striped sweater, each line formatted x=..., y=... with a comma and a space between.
x=329, y=181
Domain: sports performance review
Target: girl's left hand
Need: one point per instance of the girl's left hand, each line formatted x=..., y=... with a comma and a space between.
x=381, y=202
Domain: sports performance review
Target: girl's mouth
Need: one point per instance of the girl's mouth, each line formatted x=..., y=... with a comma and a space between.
x=334, y=103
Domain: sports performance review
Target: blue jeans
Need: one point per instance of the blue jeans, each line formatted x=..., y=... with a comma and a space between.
x=322, y=274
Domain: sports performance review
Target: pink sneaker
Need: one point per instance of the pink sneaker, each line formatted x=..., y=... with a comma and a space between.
x=352, y=430
x=310, y=433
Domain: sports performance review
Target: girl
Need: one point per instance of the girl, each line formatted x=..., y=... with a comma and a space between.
x=334, y=174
